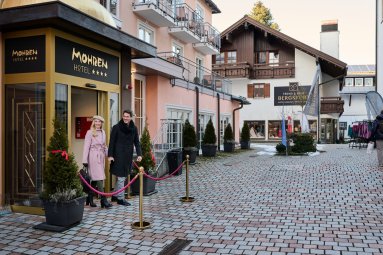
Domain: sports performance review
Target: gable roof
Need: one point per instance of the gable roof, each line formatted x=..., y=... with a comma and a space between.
x=213, y=6
x=329, y=64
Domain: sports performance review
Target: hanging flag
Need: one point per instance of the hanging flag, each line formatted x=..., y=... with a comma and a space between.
x=284, y=140
x=305, y=128
x=312, y=103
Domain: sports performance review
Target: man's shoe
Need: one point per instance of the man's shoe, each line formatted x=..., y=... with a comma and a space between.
x=123, y=202
x=114, y=199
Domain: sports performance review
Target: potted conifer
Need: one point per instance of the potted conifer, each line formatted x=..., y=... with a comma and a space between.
x=209, y=148
x=228, y=139
x=148, y=163
x=62, y=194
x=245, y=136
x=189, y=141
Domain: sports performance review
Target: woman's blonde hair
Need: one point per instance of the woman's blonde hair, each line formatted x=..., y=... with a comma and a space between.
x=93, y=126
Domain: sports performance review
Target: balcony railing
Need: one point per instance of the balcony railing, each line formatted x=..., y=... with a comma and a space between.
x=198, y=74
x=188, y=24
x=237, y=70
x=210, y=40
x=158, y=12
x=331, y=105
x=279, y=70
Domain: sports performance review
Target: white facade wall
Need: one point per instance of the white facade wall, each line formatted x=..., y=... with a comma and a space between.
x=379, y=46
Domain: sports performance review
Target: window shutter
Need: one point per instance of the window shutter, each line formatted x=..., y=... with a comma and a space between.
x=250, y=90
x=267, y=90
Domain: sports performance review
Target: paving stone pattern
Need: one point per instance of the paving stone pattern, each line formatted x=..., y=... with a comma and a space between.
x=244, y=204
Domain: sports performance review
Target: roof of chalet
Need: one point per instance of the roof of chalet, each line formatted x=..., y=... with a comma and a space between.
x=329, y=64
x=213, y=6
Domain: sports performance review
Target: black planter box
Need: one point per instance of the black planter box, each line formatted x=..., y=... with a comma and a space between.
x=174, y=158
x=209, y=150
x=192, y=152
x=245, y=145
x=149, y=186
x=228, y=147
x=64, y=213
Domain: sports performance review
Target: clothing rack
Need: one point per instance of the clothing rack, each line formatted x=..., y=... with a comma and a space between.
x=361, y=132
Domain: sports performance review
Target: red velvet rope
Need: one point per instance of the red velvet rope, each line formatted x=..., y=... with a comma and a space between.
x=107, y=194
x=63, y=153
x=166, y=177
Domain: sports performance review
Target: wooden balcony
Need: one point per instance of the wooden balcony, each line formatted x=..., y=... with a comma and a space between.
x=237, y=70
x=331, y=105
x=282, y=70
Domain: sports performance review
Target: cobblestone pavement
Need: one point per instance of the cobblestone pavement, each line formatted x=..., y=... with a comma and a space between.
x=245, y=204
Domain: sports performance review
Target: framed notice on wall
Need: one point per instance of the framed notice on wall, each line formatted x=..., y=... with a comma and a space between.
x=82, y=126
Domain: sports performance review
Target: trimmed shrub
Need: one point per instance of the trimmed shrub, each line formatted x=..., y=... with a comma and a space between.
x=189, y=135
x=303, y=142
x=228, y=136
x=245, y=132
x=209, y=137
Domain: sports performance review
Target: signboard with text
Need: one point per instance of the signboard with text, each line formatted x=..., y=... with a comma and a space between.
x=79, y=60
x=24, y=54
x=291, y=95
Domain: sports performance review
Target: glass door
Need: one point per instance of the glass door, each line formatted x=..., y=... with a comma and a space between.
x=24, y=143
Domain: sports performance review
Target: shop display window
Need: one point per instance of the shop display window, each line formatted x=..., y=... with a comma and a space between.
x=275, y=129
x=257, y=129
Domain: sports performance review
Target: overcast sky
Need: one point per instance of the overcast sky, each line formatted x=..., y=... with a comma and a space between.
x=301, y=20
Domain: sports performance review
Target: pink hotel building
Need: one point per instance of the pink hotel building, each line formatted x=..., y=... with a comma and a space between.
x=73, y=59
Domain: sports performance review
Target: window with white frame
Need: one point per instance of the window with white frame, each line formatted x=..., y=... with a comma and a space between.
x=177, y=49
x=139, y=104
x=146, y=34
x=358, y=82
x=203, y=119
x=349, y=82
x=111, y=6
x=369, y=81
x=223, y=124
x=200, y=13
x=179, y=114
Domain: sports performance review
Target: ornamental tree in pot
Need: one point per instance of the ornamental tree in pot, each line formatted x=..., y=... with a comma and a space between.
x=148, y=162
x=62, y=194
x=189, y=141
x=228, y=139
x=209, y=147
x=245, y=136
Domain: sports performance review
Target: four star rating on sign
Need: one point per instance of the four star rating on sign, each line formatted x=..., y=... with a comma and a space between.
x=96, y=72
x=31, y=58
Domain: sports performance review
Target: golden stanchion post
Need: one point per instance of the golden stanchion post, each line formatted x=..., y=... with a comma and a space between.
x=141, y=224
x=187, y=198
x=127, y=196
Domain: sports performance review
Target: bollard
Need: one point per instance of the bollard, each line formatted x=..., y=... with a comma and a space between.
x=187, y=198
x=141, y=224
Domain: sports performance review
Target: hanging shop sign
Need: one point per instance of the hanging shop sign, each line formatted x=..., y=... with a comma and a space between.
x=79, y=60
x=24, y=54
x=291, y=95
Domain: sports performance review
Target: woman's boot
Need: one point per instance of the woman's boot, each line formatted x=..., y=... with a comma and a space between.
x=105, y=203
x=90, y=197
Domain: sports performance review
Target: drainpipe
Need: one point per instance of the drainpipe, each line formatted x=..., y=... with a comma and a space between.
x=236, y=109
x=197, y=113
x=219, y=121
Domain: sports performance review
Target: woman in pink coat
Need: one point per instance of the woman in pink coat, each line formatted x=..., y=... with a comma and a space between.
x=95, y=151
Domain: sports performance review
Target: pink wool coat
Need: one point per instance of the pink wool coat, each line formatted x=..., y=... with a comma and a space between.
x=95, y=151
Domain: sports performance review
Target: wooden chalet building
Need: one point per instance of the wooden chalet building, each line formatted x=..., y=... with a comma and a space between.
x=275, y=72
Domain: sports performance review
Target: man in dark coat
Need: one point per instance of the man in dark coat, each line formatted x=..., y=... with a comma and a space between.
x=377, y=135
x=120, y=153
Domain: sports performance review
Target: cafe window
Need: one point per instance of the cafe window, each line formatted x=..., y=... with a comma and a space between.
x=227, y=57
x=258, y=90
x=146, y=34
x=257, y=129
x=275, y=129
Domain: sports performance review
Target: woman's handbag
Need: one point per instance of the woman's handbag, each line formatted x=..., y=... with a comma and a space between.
x=84, y=173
